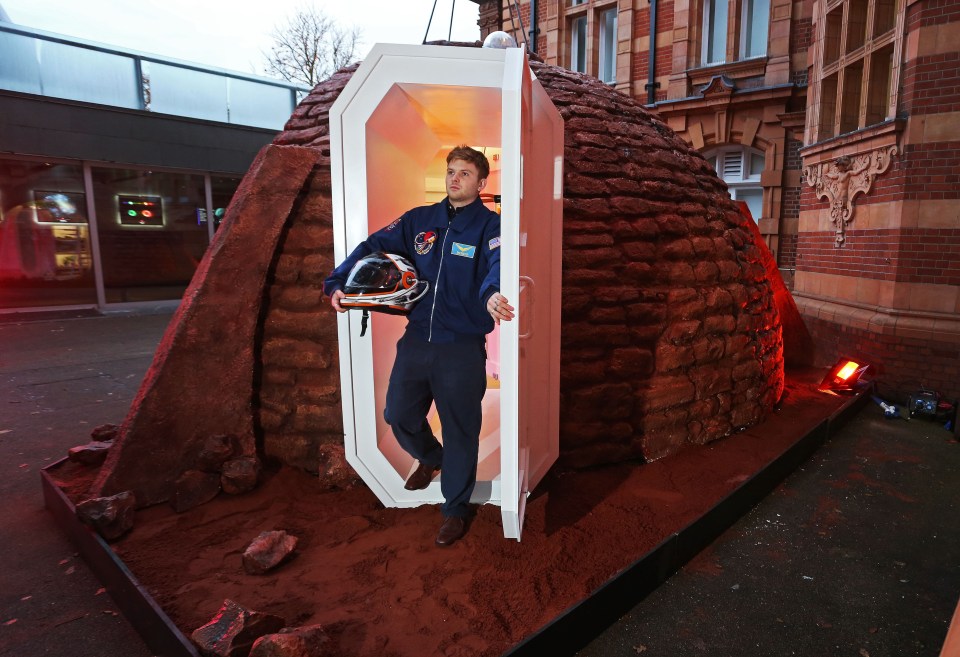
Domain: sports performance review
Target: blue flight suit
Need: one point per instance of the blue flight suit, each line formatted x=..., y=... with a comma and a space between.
x=442, y=355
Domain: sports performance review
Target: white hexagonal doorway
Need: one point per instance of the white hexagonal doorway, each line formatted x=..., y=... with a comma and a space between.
x=390, y=130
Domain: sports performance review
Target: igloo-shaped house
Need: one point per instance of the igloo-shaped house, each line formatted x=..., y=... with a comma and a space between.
x=669, y=330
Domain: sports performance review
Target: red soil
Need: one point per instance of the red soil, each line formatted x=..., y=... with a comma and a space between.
x=373, y=577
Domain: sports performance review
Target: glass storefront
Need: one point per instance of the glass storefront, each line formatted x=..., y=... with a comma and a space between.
x=222, y=189
x=141, y=240
x=45, y=257
x=152, y=232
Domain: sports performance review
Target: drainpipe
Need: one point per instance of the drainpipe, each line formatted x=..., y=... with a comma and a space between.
x=652, y=85
x=534, y=31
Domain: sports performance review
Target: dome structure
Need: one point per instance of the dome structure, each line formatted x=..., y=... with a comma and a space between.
x=670, y=334
x=670, y=330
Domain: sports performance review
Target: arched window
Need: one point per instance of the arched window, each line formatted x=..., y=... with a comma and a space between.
x=740, y=167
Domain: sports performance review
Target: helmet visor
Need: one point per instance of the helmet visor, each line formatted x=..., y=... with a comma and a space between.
x=375, y=273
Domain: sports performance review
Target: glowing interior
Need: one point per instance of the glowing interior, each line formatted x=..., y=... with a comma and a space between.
x=407, y=139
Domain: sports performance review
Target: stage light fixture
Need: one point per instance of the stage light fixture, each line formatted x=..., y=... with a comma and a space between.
x=846, y=375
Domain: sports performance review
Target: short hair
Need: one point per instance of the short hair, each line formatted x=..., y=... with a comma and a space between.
x=473, y=156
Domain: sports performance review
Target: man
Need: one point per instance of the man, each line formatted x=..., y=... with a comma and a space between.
x=441, y=358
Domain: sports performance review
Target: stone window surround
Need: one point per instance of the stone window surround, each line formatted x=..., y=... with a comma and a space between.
x=592, y=10
x=723, y=119
x=736, y=28
x=880, y=136
x=747, y=68
x=852, y=62
x=688, y=72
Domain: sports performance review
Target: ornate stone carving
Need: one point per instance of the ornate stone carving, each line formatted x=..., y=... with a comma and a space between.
x=719, y=84
x=841, y=180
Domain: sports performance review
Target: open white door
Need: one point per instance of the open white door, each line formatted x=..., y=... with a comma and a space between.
x=533, y=235
x=513, y=480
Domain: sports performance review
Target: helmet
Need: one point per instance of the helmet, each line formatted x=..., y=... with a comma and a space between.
x=383, y=282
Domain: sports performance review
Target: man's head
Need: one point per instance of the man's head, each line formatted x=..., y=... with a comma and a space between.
x=467, y=171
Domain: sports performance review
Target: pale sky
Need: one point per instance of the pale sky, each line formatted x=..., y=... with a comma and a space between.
x=230, y=34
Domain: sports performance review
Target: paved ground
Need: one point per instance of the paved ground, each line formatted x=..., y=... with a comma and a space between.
x=59, y=379
x=856, y=555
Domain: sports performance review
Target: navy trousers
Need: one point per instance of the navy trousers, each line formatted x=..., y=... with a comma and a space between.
x=454, y=376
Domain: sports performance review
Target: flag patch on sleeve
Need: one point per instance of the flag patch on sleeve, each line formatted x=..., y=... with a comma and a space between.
x=494, y=243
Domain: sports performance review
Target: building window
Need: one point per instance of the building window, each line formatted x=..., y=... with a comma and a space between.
x=592, y=40
x=578, y=44
x=741, y=168
x=714, y=31
x=744, y=39
x=608, y=46
x=755, y=27
x=857, y=65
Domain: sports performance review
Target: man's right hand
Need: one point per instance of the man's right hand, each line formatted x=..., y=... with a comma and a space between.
x=335, y=299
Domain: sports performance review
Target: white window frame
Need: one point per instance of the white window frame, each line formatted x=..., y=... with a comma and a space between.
x=578, y=44
x=608, y=46
x=748, y=27
x=713, y=9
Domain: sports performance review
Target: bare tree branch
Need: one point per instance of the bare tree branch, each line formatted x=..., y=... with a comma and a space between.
x=310, y=47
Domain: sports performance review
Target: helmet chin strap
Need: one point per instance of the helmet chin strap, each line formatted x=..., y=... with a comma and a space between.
x=363, y=322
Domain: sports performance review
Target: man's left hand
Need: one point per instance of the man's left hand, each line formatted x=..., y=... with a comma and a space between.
x=499, y=308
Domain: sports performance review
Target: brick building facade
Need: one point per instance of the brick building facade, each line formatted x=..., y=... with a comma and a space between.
x=837, y=121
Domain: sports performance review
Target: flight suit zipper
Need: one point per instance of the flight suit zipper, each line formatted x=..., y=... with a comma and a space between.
x=436, y=288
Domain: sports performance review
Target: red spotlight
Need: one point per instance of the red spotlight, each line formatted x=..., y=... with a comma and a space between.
x=845, y=376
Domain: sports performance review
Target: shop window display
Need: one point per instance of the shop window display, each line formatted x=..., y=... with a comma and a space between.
x=45, y=257
x=222, y=189
x=152, y=228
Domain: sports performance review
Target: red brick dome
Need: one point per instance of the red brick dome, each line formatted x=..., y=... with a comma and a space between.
x=670, y=332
